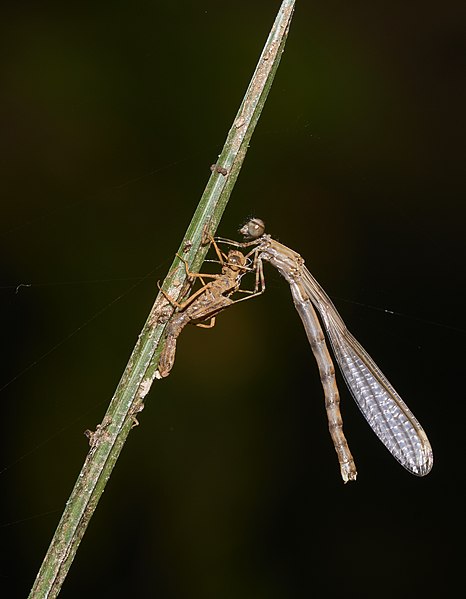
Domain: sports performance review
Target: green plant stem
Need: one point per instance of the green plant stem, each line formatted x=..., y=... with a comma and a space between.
x=108, y=439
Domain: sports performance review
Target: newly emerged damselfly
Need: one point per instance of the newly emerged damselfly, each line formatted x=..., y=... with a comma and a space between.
x=385, y=411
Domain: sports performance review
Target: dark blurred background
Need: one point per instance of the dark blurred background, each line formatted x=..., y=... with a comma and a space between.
x=111, y=116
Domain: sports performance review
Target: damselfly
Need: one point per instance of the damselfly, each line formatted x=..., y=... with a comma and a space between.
x=385, y=411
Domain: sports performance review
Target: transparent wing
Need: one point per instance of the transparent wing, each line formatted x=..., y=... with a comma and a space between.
x=385, y=411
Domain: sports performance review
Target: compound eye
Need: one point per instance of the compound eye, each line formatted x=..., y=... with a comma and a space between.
x=253, y=229
x=233, y=259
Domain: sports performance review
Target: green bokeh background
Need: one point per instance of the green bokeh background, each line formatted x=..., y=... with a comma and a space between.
x=111, y=116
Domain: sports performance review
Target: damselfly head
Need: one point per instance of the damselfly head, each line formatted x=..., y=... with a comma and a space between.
x=253, y=229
